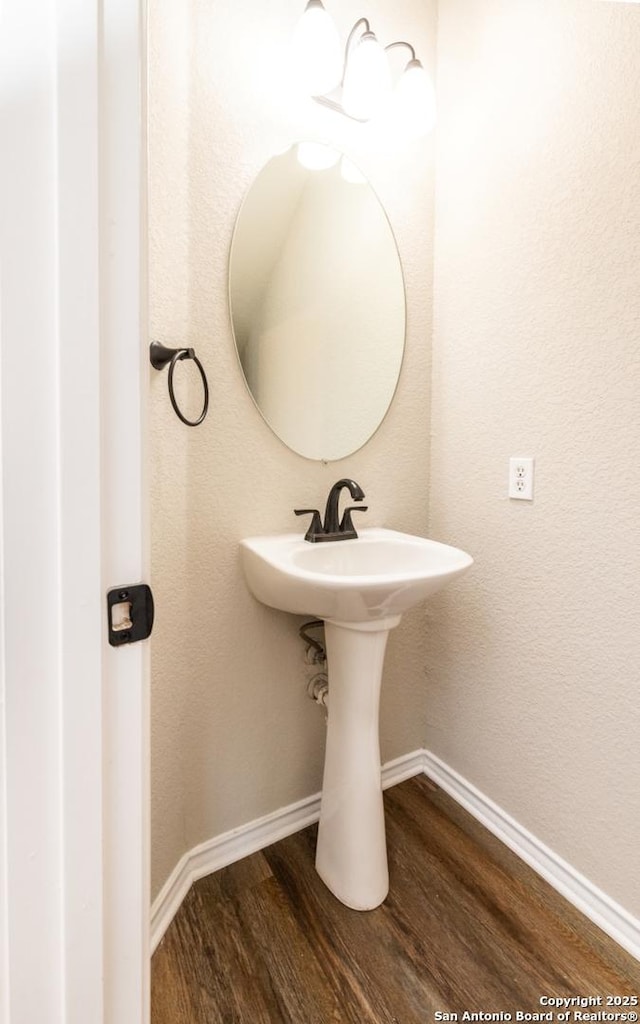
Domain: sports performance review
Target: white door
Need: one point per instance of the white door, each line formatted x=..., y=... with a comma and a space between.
x=73, y=377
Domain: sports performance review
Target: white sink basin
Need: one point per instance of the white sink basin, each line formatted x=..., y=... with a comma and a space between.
x=378, y=576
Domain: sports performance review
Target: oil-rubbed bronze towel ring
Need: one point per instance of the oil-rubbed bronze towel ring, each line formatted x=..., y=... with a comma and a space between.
x=159, y=356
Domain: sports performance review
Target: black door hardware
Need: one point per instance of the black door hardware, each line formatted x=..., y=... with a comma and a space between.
x=129, y=614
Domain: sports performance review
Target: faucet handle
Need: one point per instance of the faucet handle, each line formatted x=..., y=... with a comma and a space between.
x=315, y=529
x=346, y=526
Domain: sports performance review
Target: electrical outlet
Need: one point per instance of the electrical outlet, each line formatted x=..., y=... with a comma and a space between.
x=521, y=478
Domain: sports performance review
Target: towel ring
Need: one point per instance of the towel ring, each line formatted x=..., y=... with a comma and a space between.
x=159, y=356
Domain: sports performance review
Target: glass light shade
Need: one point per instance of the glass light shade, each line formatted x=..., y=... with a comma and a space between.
x=315, y=156
x=317, y=50
x=367, y=79
x=415, y=100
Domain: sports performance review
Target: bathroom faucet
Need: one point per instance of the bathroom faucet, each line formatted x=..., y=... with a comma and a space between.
x=331, y=529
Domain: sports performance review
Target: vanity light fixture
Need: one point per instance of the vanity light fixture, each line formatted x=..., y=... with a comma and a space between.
x=361, y=85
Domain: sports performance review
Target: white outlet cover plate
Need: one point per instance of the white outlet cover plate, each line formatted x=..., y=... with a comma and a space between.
x=521, y=478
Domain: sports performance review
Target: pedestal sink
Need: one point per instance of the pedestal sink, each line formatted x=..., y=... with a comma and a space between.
x=360, y=588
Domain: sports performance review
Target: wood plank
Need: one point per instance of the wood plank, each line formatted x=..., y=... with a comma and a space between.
x=495, y=923
x=531, y=883
x=235, y=878
x=210, y=960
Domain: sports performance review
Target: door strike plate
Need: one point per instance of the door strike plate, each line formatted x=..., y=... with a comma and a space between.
x=129, y=614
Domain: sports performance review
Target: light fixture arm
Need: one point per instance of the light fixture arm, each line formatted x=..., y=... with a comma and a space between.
x=350, y=38
x=402, y=42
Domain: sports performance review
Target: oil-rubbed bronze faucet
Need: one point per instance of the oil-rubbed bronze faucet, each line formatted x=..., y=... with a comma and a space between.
x=331, y=530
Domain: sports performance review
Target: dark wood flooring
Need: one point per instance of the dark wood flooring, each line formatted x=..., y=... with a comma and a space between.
x=466, y=927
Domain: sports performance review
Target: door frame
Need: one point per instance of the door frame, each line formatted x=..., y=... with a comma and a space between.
x=74, y=751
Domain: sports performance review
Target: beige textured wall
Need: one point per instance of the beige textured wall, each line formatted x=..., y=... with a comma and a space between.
x=533, y=663
x=234, y=735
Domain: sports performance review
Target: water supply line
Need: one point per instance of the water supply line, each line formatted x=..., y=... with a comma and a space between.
x=316, y=652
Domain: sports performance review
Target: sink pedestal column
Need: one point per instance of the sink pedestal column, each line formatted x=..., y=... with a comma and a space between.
x=351, y=855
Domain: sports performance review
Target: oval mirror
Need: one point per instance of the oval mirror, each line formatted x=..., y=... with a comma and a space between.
x=317, y=302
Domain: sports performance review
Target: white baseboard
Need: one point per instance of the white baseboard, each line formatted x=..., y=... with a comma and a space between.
x=578, y=890
x=224, y=849
x=231, y=846
x=256, y=835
